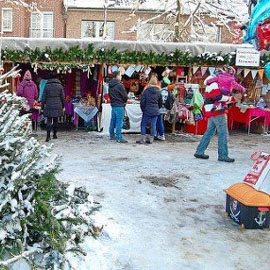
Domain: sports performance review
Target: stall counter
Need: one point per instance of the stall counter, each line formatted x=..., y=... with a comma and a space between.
x=134, y=113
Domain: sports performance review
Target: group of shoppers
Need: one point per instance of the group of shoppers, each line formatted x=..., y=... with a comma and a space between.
x=152, y=104
x=155, y=102
x=51, y=97
x=219, y=88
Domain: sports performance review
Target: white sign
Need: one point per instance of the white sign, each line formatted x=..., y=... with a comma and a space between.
x=247, y=57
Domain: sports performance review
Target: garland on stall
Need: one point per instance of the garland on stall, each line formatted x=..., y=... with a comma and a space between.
x=81, y=58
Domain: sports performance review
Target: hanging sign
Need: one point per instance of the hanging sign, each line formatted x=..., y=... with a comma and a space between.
x=247, y=57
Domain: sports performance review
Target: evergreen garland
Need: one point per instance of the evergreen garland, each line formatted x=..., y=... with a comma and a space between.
x=78, y=57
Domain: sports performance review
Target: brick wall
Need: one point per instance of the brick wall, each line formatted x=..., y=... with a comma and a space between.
x=22, y=17
x=118, y=17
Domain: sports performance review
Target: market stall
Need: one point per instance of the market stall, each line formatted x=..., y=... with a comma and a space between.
x=85, y=67
x=248, y=115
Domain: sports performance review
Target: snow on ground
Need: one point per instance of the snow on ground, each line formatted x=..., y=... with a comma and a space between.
x=165, y=208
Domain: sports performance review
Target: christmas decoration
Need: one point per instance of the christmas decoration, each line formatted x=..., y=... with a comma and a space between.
x=41, y=220
x=263, y=35
x=260, y=13
x=76, y=57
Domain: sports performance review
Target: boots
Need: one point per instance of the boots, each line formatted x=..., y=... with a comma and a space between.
x=141, y=140
x=54, y=131
x=149, y=139
x=48, y=133
x=48, y=136
x=54, y=135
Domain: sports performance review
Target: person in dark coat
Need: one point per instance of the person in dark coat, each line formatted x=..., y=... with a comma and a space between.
x=151, y=102
x=118, y=97
x=53, y=103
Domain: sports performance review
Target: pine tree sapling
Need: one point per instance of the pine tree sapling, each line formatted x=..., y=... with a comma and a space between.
x=41, y=219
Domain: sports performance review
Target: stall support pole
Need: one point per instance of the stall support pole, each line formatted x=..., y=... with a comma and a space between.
x=100, y=93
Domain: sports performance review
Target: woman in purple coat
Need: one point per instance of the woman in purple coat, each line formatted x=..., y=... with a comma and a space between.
x=28, y=89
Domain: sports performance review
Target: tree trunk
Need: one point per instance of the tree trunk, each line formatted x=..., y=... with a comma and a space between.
x=177, y=22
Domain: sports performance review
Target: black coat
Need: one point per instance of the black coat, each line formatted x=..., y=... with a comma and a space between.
x=53, y=98
x=117, y=93
x=151, y=101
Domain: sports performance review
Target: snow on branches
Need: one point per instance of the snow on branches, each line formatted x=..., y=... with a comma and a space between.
x=41, y=220
x=188, y=20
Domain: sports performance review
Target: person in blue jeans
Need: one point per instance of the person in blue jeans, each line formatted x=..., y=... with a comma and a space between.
x=151, y=102
x=215, y=123
x=118, y=97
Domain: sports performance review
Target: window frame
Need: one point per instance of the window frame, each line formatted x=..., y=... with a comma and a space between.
x=98, y=24
x=42, y=29
x=11, y=23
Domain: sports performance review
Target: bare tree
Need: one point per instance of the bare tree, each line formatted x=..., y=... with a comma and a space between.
x=192, y=20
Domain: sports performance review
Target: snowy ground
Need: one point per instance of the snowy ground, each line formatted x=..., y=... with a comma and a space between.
x=167, y=206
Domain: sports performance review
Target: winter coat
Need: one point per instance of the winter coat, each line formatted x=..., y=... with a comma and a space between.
x=53, y=98
x=151, y=101
x=226, y=83
x=215, y=100
x=28, y=89
x=117, y=93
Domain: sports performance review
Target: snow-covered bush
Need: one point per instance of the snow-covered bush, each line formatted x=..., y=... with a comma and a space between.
x=41, y=220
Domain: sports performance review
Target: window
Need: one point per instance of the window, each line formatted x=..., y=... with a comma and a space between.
x=95, y=29
x=6, y=19
x=154, y=32
x=42, y=25
x=206, y=33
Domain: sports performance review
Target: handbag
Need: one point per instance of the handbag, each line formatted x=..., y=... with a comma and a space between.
x=126, y=123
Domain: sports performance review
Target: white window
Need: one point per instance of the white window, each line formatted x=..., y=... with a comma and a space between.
x=95, y=29
x=6, y=19
x=42, y=25
x=206, y=33
x=154, y=32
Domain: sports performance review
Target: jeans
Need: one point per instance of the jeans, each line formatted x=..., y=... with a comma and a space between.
x=160, y=125
x=116, y=124
x=218, y=123
x=145, y=120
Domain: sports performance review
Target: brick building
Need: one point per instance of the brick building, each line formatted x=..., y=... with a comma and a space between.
x=85, y=19
x=17, y=21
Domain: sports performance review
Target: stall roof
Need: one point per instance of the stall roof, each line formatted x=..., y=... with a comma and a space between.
x=15, y=43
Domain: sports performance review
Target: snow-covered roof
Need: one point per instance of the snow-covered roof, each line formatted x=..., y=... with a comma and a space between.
x=231, y=8
x=120, y=4
x=197, y=48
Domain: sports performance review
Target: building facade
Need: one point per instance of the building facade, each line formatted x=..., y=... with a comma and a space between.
x=18, y=21
x=79, y=19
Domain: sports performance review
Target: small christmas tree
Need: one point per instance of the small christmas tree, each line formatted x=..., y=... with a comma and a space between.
x=41, y=220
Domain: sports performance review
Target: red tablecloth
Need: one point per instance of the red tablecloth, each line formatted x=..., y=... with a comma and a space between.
x=236, y=115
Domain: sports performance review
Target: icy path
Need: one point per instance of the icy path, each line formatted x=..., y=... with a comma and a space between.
x=178, y=221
